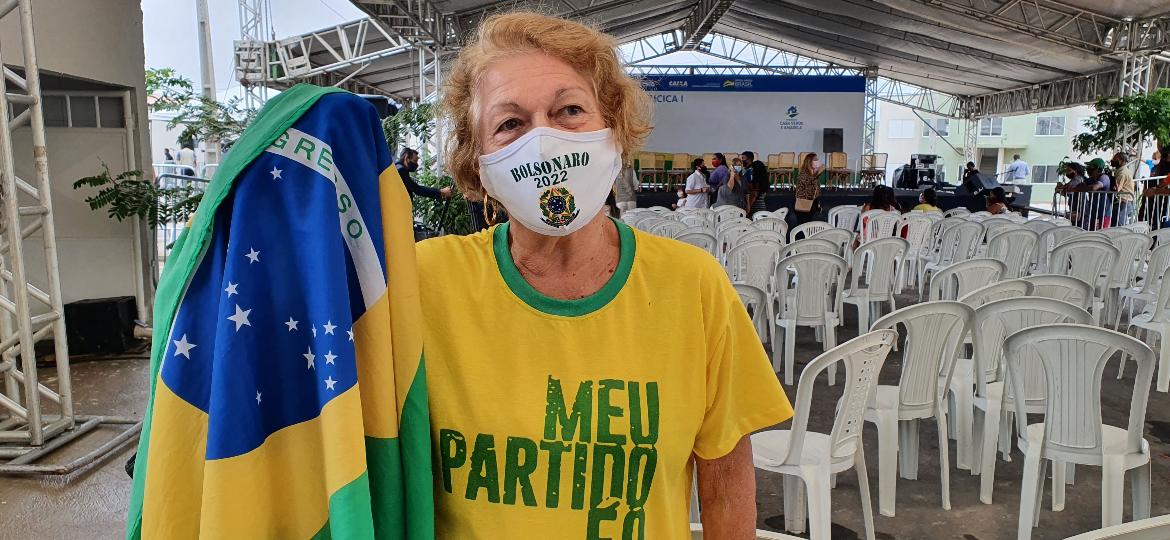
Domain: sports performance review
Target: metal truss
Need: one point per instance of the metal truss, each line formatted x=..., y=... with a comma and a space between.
x=417, y=21
x=345, y=45
x=34, y=418
x=701, y=20
x=252, y=57
x=970, y=138
x=1049, y=20
x=1047, y=96
x=749, y=53
x=919, y=98
x=870, y=121
x=703, y=69
x=649, y=47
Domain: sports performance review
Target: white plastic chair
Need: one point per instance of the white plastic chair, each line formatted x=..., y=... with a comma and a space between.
x=772, y=224
x=1072, y=358
x=724, y=213
x=956, y=212
x=761, y=215
x=1060, y=287
x=992, y=227
x=916, y=229
x=771, y=236
x=1161, y=236
x=1149, y=278
x=1089, y=260
x=958, y=243
x=1132, y=250
x=1013, y=245
x=810, y=245
x=879, y=224
x=695, y=220
x=755, y=300
x=806, y=230
x=808, y=460
x=1038, y=226
x=875, y=274
x=753, y=262
x=1156, y=318
x=1155, y=528
x=1010, y=288
x=934, y=331
x=959, y=279
x=994, y=400
x=1049, y=239
x=804, y=290
x=1139, y=227
x=728, y=232
x=668, y=229
x=845, y=217
x=699, y=239
x=697, y=534
x=843, y=238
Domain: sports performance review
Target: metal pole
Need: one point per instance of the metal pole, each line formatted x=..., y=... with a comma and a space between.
x=206, y=71
x=136, y=223
x=48, y=229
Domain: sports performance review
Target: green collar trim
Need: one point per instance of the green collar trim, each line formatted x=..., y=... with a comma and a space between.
x=556, y=306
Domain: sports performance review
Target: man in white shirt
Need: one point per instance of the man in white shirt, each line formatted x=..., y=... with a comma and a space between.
x=1017, y=171
x=697, y=187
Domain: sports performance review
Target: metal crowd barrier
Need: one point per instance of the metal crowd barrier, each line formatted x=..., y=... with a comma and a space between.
x=167, y=233
x=1092, y=210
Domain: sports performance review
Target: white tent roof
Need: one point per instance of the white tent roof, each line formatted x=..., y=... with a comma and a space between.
x=959, y=47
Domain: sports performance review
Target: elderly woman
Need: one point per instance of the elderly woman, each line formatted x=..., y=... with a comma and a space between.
x=579, y=372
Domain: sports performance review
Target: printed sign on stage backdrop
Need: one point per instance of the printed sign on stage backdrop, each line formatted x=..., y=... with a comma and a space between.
x=767, y=114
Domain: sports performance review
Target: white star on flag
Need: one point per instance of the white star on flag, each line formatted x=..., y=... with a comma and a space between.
x=314, y=329
x=231, y=289
x=329, y=356
x=350, y=333
x=329, y=382
x=275, y=172
x=329, y=326
x=310, y=357
x=291, y=324
x=183, y=347
x=252, y=255
x=257, y=398
x=240, y=317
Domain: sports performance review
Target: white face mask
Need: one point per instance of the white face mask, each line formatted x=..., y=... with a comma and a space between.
x=553, y=182
x=739, y=168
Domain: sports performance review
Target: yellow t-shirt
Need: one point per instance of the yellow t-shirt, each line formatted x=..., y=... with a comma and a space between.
x=579, y=418
x=925, y=207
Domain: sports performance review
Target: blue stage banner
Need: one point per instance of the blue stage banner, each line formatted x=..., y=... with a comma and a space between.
x=753, y=83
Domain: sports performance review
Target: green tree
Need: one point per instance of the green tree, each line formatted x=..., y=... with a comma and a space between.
x=419, y=121
x=1148, y=113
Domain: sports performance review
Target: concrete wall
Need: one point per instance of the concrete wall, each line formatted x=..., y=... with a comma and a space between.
x=100, y=42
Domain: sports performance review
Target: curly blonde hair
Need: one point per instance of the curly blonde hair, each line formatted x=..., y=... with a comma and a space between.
x=625, y=106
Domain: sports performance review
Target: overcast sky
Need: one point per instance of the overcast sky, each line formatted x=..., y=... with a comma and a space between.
x=170, y=33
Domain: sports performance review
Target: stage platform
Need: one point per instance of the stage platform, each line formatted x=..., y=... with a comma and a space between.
x=830, y=198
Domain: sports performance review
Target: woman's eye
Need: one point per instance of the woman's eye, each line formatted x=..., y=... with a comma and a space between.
x=509, y=125
x=573, y=110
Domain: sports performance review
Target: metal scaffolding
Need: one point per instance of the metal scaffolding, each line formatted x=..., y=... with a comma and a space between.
x=870, y=121
x=253, y=57
x=35, y=419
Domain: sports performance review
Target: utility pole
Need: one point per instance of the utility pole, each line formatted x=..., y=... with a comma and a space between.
x=207, y=72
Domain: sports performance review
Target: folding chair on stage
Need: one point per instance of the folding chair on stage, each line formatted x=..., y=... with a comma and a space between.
x=872, y=169
x=840, y=175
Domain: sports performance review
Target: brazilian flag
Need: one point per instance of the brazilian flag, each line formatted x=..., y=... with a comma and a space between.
x=288, y=395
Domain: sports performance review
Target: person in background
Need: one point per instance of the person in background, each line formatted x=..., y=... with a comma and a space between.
x=757, y=176
x=1154, y=159
x=718, y=175
x=1075, y=173
x=1144, y=168
x=682, y=198
x=1017, y=171
x=808, y=186
x=997, y=201
x=697, y=187
x=167, y=157
x=408, y=163
x=186, y=158
x=927, y=201
x=883, y=198
x=733, y=192
x=625, y=190
x=1162, y=167
x=1123, y=185
x=1096, y=214
x=1155, y=209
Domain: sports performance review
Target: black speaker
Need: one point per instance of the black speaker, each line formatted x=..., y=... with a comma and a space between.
x=834, y=140
x=100, y=325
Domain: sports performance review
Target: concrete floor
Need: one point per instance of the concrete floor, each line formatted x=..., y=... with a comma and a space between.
x=92, y=503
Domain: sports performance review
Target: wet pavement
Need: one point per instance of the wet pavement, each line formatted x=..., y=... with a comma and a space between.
x=91, y=504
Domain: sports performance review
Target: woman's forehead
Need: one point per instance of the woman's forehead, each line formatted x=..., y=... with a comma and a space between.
x=530, y=79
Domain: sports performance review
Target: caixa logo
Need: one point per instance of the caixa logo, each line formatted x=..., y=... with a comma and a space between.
x=677, y=84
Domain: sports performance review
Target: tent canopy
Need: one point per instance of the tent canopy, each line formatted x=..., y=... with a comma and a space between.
x=959, y=47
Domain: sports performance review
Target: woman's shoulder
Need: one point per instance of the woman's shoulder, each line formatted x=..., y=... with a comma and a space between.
x=436, y=255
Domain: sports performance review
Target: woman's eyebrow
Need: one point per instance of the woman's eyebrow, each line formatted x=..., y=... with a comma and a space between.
x=568, y=90
x=505, y=106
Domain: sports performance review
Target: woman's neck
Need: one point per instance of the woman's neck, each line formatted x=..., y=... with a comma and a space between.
x=567, y=267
